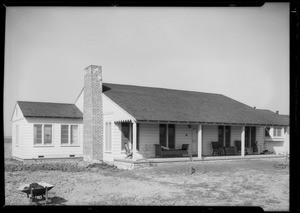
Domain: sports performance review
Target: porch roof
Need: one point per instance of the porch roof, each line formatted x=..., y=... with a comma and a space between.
x=151, y=104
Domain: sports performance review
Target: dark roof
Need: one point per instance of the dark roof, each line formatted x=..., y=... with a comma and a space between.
x=273, y=117
x=47, y=109
x=158, y=104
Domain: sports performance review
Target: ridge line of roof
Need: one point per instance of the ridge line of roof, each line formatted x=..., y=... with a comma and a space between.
x=163, y=88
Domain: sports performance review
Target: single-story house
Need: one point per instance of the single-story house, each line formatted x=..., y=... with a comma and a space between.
x=107, y=121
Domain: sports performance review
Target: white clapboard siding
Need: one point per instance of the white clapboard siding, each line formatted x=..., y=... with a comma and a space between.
x=276, y=147
x=28, y=151
x=149, y=135
x=210, y=133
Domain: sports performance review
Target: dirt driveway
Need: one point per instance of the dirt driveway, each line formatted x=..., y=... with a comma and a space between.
x=226, y=183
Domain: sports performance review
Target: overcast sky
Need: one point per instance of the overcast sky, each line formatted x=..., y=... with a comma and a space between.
x=242, y=53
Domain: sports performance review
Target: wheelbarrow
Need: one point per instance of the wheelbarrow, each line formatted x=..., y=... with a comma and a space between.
x=32, y=193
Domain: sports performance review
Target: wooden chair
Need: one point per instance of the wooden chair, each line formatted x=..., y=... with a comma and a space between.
x=129, y=153
x=217, y=148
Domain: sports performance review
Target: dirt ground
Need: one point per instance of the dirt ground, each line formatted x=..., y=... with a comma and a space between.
x=263, y=183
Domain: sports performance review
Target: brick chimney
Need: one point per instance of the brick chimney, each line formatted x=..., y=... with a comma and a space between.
x=92, y=114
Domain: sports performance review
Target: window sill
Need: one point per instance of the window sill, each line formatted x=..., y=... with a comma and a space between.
x=43, y=145
x=69, y=145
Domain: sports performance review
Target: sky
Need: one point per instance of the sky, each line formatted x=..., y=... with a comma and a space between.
x=240, y=52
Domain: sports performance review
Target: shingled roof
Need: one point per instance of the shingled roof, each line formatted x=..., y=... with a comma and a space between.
x=51, y=110
x=159, y=104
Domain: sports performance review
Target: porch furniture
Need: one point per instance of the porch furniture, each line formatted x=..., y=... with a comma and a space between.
x=160, y=152
x=129, y=153
x=217, y=148
x=229, y=150
x=237, y=145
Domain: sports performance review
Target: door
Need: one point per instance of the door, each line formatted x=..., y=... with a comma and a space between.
x=194, y=141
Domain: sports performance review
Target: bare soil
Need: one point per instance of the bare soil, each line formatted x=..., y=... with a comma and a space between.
x=263, y=182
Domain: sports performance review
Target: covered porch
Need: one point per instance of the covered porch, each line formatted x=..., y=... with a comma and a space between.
x=235, y=140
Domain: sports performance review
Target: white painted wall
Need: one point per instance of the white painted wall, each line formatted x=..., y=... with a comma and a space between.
x=26, y=148
x=278, y=145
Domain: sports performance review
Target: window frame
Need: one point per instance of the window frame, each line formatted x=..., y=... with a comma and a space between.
x=166, y=136
x=43, y=132
x=108, y=149
x=277, y=130
x=69, y=136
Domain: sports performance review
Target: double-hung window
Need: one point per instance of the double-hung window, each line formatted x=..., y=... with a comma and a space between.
x=108, y=136
x=69, y=135
x=42, y=134
x=277, y=132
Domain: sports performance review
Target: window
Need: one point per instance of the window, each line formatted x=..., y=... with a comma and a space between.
x=17, y=135
x=277, y=132
x=167, y=135
x=250, y=136
x=38, y=134
x=42, y=134
x=69, y=135
x=108, y=136
x=163, y=134
x=224, y=135
x=267, y=132
x=47, y=134
x=64, y=134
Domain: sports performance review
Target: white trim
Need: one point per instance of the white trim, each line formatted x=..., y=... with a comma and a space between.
x=104, y=136
x=69, y=136
x=120, y=108
x=43, y=142
x=18, y=120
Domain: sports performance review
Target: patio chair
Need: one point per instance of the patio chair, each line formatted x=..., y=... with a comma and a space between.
x=217, y=148
x=129, y=153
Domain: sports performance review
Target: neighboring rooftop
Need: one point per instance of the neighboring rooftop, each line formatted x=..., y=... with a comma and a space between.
x=48, y=109
x=158, y=104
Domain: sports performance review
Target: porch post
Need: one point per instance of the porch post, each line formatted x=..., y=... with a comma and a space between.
x=243, y=142
x=199, y=140
x=134, y=141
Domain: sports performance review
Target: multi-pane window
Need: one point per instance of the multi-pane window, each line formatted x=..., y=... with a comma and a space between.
x=167, y=135
x=108, y=136
x=69, y=135
x=224, y=135
x=64, y=134
x=74, y=134
x=47, y=134
x=277, y=132
x=37, y=133
x=267, y=132
x=250, y=136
